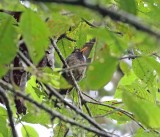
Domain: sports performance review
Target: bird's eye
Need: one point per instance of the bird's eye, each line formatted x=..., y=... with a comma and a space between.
x=77, y=50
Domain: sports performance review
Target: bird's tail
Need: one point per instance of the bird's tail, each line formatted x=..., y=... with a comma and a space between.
x=89, y=46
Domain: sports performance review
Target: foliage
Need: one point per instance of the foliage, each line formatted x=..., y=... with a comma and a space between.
x=126, y=56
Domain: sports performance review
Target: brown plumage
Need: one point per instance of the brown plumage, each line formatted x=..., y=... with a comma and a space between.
x=77, y=57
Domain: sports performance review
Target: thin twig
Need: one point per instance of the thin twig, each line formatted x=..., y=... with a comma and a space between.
x=27, y=134
x=129, y=57
x=156, y=55
x=88, y=110
x=74, y=67
x=90, y=24
x=64, y=35
x=25, y=60
x=94, y=26
x=70, y=39
x=90, y=97
x=128, y=114
x=9, y=111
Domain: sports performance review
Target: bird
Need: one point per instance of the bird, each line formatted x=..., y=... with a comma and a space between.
x=75, y=59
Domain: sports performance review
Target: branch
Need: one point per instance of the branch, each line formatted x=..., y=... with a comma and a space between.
x=113, y=14
x=74, y=67
x=65, y=63
x=129, y=57
x=64, y=35
x=54, y=113
x=88, y=23
x=128, y=114
x=25, y=60
x=60, y=97
x=78, y=111
x=88, y=109
x=53, y=42
x=9, y=111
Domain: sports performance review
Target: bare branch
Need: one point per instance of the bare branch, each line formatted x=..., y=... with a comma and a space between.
x=9, y=111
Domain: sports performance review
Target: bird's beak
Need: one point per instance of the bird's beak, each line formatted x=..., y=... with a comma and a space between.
x=84, y=49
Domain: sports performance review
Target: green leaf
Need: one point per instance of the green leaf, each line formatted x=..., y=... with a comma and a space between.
x=28, y=131
x=143, y=67
x=125, y=67
x=78, y=34
x=101, y=71
x=3, y=69
x=40, y=118
x=32, y=89
x=128, y=5
x=133, y=84
x=55, y=79
x=116, y=44
x=127, y=79
x=6, y=18
x=60, y=130
x=142, y=133
x=143, y=44
x=8, y=41
x=103, y=111
x=14, y=5
x=3, y=112
x=146, y=112
x=35, y=34
x=98, y=110
x=1, y=135
x=59, y=25
x=4, y=130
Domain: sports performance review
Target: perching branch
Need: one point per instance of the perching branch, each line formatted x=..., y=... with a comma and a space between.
x=53, y=42
x=65, y=63
x=74, y=67
x=9, y=111
x=113, y=14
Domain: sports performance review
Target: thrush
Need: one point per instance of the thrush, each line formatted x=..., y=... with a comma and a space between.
x=77, y=58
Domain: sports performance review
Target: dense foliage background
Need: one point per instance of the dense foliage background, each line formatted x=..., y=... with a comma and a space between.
x=119, y=95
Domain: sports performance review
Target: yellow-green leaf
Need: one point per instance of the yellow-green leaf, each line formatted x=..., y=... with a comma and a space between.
x=146, y=112
x=101, y=71
x=35, y=34
x=28, y=131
